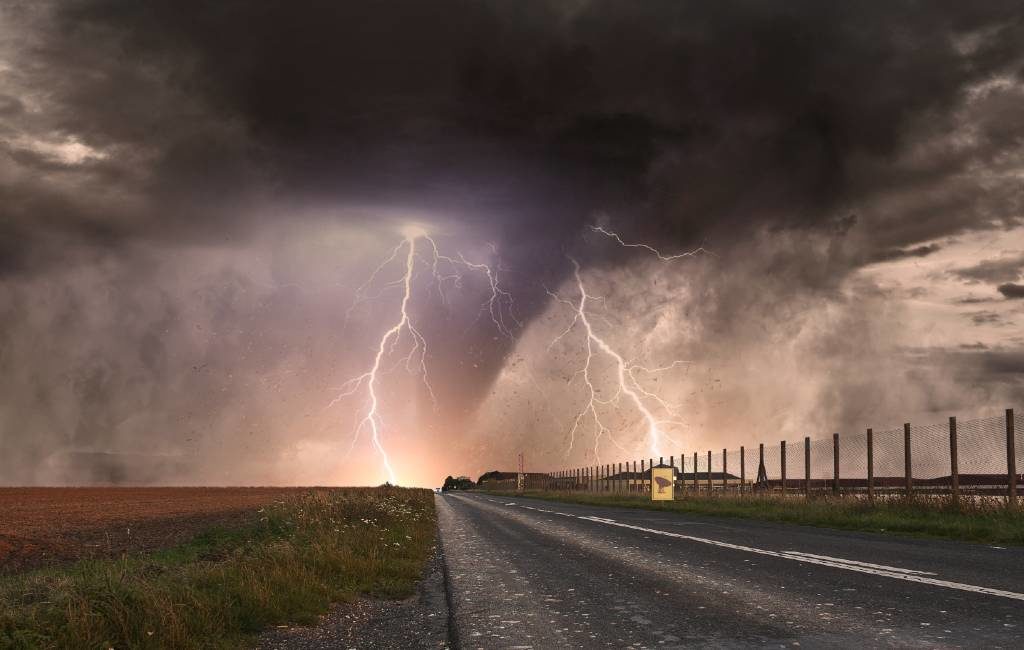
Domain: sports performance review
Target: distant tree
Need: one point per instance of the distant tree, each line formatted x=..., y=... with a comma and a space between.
x=460, y=483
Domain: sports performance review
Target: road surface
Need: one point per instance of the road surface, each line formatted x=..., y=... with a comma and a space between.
x=526, y=573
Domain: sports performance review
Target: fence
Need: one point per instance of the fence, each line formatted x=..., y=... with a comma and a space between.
x=976, y=457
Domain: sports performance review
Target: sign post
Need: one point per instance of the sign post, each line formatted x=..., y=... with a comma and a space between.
x=662, y=483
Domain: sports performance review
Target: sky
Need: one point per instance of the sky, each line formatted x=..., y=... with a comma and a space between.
x=342, y=243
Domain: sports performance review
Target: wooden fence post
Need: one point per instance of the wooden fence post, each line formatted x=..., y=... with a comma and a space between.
x=835, y=463
x=760, y=452
x=807, y=467
x=743, y=469
x=954, y=469
x=710, y=487
x=682, y=472
x=725, y=471
x=871, y=466
x=1011, y=462
x=696, y=488
x=783, y=465
x=908, y=472
x=643, y=486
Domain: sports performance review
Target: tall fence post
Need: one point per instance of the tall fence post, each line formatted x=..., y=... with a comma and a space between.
x=672, y=464
x=710, y=487
x=760, y=454
x=650, y=478
x=783, y=467
x=725, y=471
x=835, y=463
x=871, y=466
x=807, y=467
x=954, y=469
x=1011, y=462
x=743, y=469
x=682, y=473
x=643, y=485
x=908, y=473
x=635, y=475
x=696, y=488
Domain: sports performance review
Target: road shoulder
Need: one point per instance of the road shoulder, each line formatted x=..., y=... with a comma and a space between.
x=418, y=622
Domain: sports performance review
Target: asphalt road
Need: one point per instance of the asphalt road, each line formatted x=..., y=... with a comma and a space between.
x=525, y=573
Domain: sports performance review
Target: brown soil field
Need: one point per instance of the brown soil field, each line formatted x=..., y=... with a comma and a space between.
x=45, y=526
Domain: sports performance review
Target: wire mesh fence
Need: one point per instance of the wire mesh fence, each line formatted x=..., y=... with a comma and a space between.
x=978, y=457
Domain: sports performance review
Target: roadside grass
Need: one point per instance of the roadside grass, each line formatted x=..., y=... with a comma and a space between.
x=223, y=587
x=972, y=521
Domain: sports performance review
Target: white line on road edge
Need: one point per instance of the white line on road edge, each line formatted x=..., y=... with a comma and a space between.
x=837, y=563
x=866, y=564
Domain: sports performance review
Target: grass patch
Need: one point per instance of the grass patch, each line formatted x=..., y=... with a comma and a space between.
x=984, y=522
x=226, y=585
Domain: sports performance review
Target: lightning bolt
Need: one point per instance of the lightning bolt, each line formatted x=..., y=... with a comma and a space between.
x=416, y=245
x=661, y=256
x=627, y=384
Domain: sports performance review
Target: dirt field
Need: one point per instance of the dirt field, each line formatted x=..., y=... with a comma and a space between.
x=40, y=526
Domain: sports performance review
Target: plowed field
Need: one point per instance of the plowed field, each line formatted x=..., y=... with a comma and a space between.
x=40, y=526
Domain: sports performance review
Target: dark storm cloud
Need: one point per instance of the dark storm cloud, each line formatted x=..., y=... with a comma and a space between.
x=1005, y=269
x=1011, y=290
x=901, y=253
x=985, y=317
x=681, y=119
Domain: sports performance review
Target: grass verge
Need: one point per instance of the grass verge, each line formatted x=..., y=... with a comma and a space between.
x=937, y=518
x=223, y=587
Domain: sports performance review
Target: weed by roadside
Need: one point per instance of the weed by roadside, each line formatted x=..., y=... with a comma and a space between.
x=226, y=585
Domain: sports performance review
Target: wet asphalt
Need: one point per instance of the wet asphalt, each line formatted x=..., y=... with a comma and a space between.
x=526, y=573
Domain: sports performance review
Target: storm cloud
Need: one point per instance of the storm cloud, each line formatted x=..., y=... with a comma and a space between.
x=190, y=195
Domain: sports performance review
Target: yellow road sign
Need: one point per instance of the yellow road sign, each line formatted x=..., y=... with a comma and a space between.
x=662, y=484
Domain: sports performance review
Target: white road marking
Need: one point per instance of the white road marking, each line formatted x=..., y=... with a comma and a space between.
x=896, y=573
x=864, y=564
x=844, y=564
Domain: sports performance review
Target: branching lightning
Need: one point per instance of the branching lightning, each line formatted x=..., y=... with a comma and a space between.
x=661, y=256
x=418, y=246
x=627, y=384
x=419, y=252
